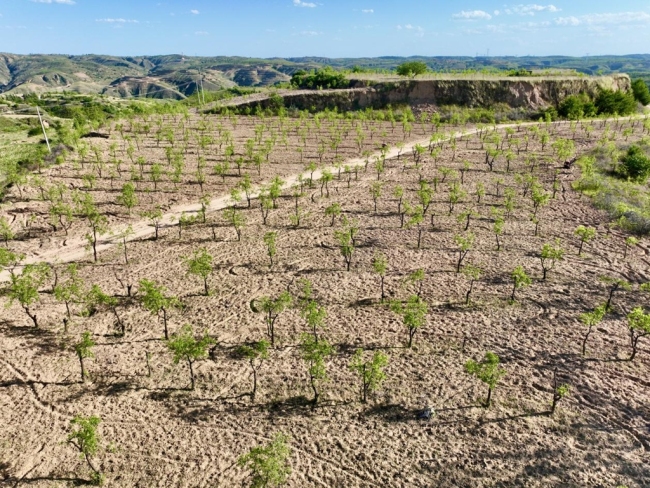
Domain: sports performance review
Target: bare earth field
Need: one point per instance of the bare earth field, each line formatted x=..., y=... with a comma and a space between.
x=157, y=432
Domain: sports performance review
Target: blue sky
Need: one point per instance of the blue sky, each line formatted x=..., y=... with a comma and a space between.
x=332, y=28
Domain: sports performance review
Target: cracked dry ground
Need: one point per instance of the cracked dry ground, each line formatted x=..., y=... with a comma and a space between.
x=164, y=435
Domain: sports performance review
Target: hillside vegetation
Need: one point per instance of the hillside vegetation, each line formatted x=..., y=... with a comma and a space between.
x=177, y=76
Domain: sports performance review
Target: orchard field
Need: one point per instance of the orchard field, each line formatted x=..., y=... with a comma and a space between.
x=202, y=283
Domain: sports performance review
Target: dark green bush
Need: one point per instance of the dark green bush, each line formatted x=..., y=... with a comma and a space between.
x=635, y=165
x=412, y=68
x=611, y=102
x=641, y=92
x=319, y=79
x=575, y=107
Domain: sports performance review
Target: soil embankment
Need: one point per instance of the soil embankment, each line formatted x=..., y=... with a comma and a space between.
x=531, y=93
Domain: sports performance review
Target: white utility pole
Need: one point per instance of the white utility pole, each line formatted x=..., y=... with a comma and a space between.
x=43, y=127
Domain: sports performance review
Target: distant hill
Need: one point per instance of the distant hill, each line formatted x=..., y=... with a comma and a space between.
x=176, y=76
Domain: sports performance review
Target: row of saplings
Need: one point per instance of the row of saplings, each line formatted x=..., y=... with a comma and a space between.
x=269, y=463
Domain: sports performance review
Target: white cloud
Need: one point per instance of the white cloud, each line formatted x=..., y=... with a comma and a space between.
x=194, y=11
x=368, y=11
x=568, y=21
x=472, y=15
x=618, y=18
x=531, y=9
x=201, y=33
x=309, y=33
x=497, y=13
x=66, y=2
x=118, y=21
x=299, y=3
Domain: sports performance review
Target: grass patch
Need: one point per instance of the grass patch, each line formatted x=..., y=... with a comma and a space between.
x=626, y=201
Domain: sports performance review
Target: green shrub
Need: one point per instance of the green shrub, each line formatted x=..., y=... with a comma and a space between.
x=575, y=107
x=635, y=165
x=615, y=102
x=319, y=79
x=641, y=92
x=412, y=68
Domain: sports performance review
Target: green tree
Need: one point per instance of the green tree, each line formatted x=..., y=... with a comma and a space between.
x=370, y=371
x=255, y=353
x=314, y=353
x=590, y=320
x=269, y=464
x=520, y=280
x=488, y=371
x=412, y=69
x=270, y=239
x=334, y=210
x=85, y=439
x=155, y=217
x=5, y=231
x=464, y=244
x=380, y=266
x=346, y=245
x=184, y=346
x=83, y=349
x=273, y=307
x=635, y=165
x=641, y=92
x=414, y=314
x=154, y=298
x=24, y=287
x=71, y=289
x=549, y=256
x=585, y=234
x=473, y=274
x=375, y=192
x=639, y=326
x=559, y=391
x=200, y=264
x=235, y=218
x=314, y=314
x=98, y=223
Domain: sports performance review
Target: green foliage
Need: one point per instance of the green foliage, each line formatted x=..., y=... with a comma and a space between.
x=24, y=287
x=487, y=370
x=319, y=79
x=412, y=68
x=641, y=92
x=273, y=308
x=155, y=299
x=269, y=464
x=635, y=164
x=83, y=348
x=334, y=210
x=270, y=239
x=85, y=439
x=184, y=346
x=610, y=102
x=549, y=256
x=370, y=371
x=576, y=107
x=414, y=314
x=200, y=264
x=314, y=352
x=520, y=279
x=585, y=234
x=639, y=326
x=128, y=198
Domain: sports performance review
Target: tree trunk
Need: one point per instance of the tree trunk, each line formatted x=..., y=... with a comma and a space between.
x=254, y=392
x=383, y=295
x=489, y=398
x=191, y=374
x=205, y=285
x=83, y=370
x=584, y=341
x=312, y=380
x=164, y=310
